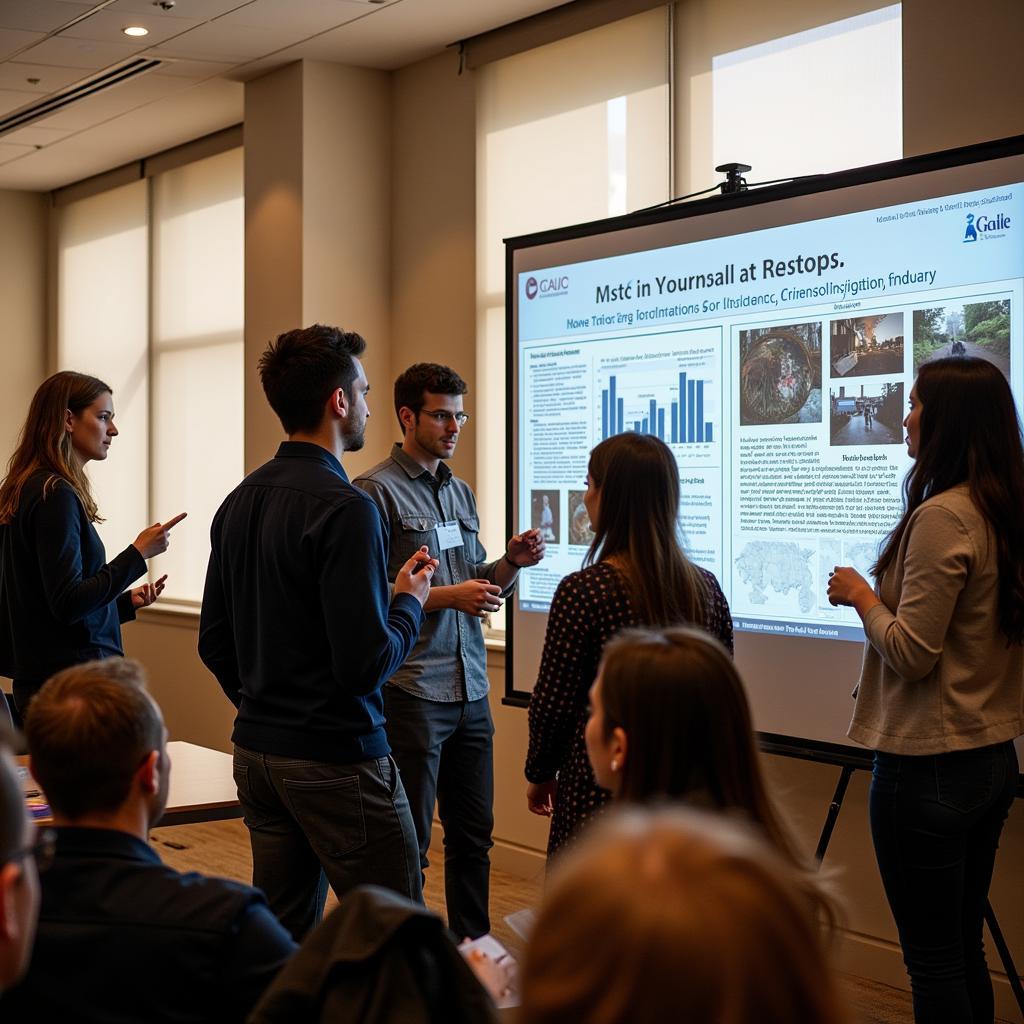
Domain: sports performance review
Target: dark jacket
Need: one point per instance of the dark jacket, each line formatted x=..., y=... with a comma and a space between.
x=298, y=624
x=122, y=937
x=378, y=959
x=62, y=601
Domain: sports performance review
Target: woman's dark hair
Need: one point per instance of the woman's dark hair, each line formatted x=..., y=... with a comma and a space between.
x=969, y=433
x=638, y=525
x=681, y=703
x=45, y=442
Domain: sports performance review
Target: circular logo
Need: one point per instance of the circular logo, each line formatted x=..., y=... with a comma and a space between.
x=531, y=287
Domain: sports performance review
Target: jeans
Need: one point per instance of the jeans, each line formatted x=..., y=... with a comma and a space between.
x=312, y=823
x=935, y=823
x=445, y=751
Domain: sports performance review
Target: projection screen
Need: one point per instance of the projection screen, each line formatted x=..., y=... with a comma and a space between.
x=770, y=339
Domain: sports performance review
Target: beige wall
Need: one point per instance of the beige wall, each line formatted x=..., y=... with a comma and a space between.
x=433, y=237
x=23, y=245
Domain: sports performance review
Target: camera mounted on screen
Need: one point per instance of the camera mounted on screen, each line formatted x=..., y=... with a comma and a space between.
x=734, y=181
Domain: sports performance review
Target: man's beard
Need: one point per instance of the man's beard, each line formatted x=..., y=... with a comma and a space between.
x=355, y=440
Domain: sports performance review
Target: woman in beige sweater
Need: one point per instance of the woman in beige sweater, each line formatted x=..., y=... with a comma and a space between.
x=941, y=695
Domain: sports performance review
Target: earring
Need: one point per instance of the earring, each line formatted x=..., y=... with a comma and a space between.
x=614, y=765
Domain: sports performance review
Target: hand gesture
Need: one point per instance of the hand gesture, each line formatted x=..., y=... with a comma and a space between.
x=156, y=539
x=540, y=797
x=144, y=596
x=845, y=585
x=414, y=577
x=476, y=597
x=526, y=548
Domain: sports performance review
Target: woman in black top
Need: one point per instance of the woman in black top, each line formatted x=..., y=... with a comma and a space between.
x=61, y=602
x=635, y=574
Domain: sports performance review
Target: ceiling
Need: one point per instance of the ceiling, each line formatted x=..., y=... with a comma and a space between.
x=208, y=48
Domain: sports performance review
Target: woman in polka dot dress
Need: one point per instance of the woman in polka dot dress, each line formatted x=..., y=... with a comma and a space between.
x=635, y=574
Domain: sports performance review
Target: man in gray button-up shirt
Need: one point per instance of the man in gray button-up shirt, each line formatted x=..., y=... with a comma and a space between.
x=438, y=718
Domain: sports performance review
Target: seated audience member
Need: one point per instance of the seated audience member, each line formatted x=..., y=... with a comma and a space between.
x=669, y=720
x=123, y=937
x=680, y=916
x=22, y=849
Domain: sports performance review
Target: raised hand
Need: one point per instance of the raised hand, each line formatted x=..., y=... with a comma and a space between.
x=414, y=577
x=145, y=595
x=526, y=548
x=156, y=539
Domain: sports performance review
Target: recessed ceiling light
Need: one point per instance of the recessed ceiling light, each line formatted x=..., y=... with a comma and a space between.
x=135, y=30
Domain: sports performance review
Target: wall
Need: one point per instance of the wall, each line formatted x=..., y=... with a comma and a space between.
x=23, y=253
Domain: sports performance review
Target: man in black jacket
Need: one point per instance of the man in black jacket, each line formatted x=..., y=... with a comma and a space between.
x=301, y=630
x=122, y=937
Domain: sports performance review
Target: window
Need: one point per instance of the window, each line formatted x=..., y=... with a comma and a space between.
x=595, y=145
x=150, y=299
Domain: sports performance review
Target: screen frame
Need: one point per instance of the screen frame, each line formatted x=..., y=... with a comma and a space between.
x=977, y=153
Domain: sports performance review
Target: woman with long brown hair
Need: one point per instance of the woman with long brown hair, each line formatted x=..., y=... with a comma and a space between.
x=669, y=720
x=62, y=602
x=941, y=694
x=635, y=573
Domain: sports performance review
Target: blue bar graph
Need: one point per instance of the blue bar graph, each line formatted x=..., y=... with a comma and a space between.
x=682, y=422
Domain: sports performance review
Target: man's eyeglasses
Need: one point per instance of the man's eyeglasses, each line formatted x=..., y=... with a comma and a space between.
x=443, y=416
x=41, y=849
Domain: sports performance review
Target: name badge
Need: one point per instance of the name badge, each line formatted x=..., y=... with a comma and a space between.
x=449, y=535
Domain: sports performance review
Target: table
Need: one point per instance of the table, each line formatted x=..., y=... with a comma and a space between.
x=202, y=786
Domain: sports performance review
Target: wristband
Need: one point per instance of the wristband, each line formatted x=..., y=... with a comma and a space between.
x=510, y=562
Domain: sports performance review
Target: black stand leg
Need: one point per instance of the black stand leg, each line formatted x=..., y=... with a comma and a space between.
x=1004, y=955
x=833, y=812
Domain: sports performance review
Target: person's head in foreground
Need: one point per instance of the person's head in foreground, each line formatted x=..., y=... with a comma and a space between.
x=19, y=879
x=676, y=915
x=669, y=719
x=98, y=747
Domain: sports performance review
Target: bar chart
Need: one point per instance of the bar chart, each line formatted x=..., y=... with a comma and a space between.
x=675, y=412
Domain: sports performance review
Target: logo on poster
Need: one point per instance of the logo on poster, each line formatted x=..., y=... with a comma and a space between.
x=546, y=287
x=981, y=228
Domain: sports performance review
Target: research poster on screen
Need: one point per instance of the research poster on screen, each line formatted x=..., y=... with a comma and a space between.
x=777, y=366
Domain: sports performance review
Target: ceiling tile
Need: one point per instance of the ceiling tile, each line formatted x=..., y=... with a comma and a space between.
x=13, y=39
x=310, y=16
x=8, y=153
x=14, y=75
x=11, y=99
x=39, y=15
x=185, y=116
x=219, y=41
x=35, y=136
x=106, y=26
x=202, y=9
x=83, y=53
x=113, y=102
x=198, y=70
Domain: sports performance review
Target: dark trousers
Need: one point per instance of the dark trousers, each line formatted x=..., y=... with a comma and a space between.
x=312, y=823
x=445, y=752
x=935, y=823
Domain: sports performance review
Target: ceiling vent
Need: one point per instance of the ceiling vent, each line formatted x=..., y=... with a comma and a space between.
x=89, y=87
